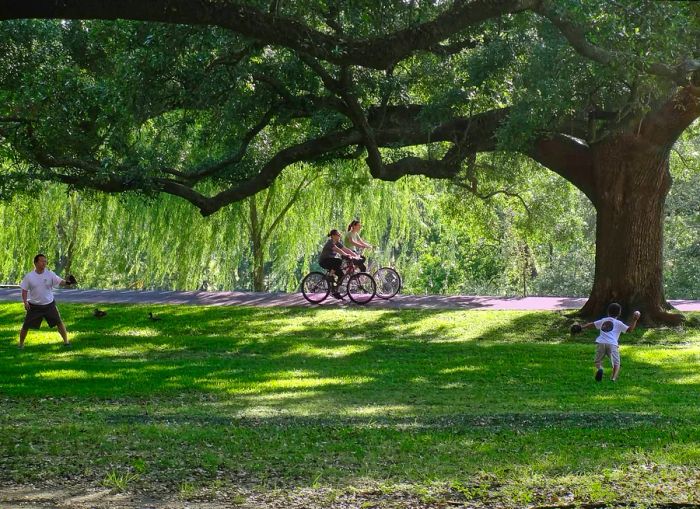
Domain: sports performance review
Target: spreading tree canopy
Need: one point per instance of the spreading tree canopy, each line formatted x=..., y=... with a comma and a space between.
x=210, y=100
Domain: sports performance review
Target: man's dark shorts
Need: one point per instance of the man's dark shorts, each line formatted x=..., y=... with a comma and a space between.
x=38, y=312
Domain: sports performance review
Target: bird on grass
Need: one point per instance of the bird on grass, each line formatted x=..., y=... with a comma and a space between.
x=153, y=317
x=98, y=313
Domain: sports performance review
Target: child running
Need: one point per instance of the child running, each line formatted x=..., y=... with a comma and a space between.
x=610, y=329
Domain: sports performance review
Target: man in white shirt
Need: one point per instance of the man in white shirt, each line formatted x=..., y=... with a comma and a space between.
x=37, y=295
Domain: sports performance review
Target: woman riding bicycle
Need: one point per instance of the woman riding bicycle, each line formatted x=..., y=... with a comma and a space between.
x=331, y=259
x=354, y=242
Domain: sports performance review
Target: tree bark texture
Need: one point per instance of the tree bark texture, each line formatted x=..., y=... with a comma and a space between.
x=631, y=179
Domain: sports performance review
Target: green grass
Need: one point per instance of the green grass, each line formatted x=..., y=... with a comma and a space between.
x=495, y=407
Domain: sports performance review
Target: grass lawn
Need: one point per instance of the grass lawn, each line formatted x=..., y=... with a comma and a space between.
x=367, y=408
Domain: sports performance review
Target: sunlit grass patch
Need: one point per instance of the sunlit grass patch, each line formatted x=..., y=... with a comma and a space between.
x=71, y=374
x=379, y=411
x=286, y=395
x=142, y=332
x=330, y=352
x=304, y=383
x=461, y=369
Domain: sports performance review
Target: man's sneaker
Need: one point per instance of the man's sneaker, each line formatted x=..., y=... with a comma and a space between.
x=599, y=375
x=337, y=295
x=67, y=345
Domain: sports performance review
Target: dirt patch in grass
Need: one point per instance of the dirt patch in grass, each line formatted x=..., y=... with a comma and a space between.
x=166, y=497
x=77, y=497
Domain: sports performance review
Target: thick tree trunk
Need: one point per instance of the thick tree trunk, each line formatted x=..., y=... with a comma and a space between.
x=631, y=180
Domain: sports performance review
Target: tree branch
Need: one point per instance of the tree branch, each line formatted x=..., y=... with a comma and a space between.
x=403, y=128
x=576, y=35
x=272, y=28
x=268, y=200
x=570, y=158
x=664, y=125
x=294, y=198
x=306, y=151
x=343, y=88
x=308, y=103
x=236, y=158
x=473, y=190
x=233, y=58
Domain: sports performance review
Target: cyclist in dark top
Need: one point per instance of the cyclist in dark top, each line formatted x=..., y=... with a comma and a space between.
x=331, y=259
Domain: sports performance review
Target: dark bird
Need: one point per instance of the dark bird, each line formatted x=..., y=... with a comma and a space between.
x=98, y=313
x=151, y=316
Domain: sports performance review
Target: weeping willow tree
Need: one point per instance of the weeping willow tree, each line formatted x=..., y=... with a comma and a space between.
x=270, y=214
x=121, y=241
x=293, y=218
x=266, y=242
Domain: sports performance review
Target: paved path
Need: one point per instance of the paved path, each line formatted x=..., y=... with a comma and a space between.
x=295, y=299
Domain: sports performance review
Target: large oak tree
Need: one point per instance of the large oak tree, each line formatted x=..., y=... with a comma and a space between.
x=210, y=100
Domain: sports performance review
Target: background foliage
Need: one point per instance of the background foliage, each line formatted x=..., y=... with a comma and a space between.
x=195, y=93
x=443, y=240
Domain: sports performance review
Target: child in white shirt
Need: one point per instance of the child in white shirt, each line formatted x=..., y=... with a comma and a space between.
x=610, y=329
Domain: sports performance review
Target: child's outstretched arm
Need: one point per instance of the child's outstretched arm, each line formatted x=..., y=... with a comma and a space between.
x=633, y=323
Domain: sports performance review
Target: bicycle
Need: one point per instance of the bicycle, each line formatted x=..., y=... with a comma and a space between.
x=388, y=280
x=359, y=286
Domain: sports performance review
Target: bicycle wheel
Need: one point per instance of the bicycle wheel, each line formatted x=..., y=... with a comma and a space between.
x=315, y=287
x=361, y=288
x=388, y=282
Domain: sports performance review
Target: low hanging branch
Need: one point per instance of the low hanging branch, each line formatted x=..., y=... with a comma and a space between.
x=306, y=151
